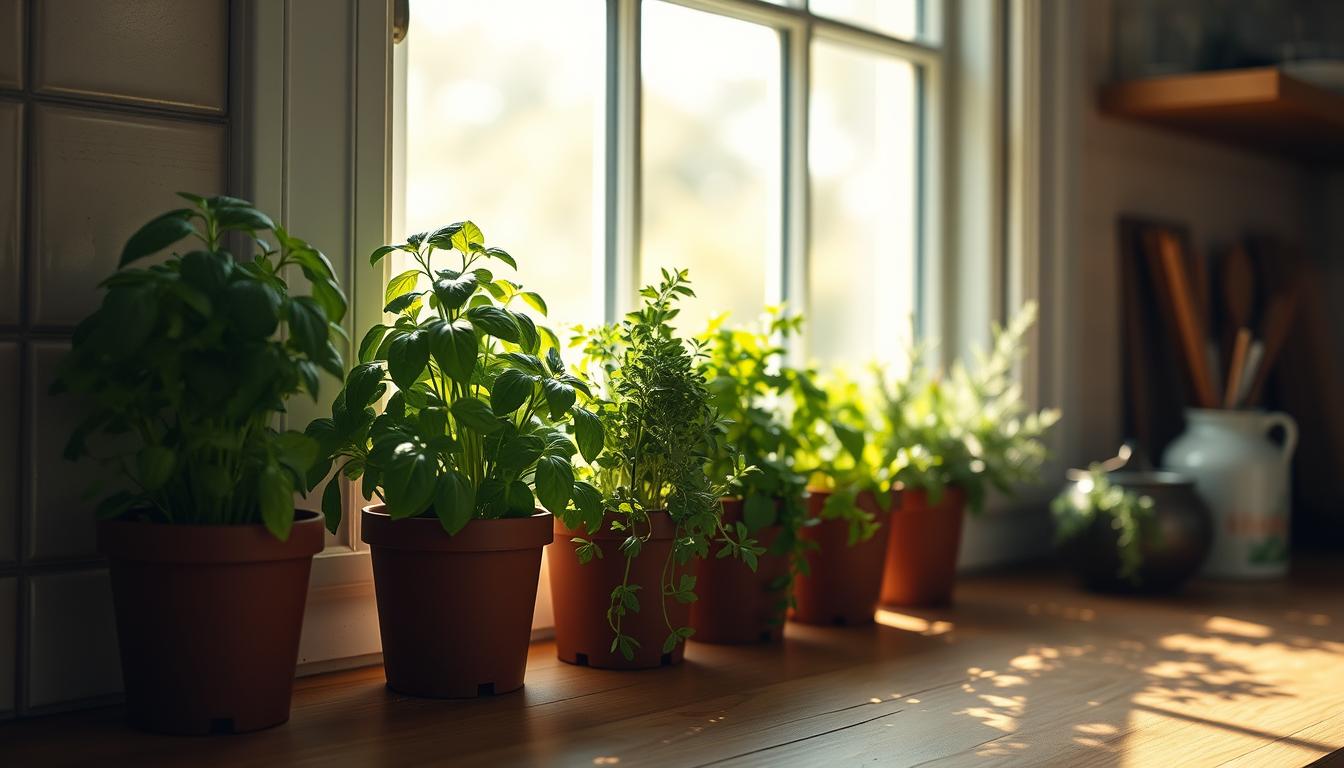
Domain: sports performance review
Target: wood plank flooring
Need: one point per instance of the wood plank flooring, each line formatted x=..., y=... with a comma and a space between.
x=1023, y=670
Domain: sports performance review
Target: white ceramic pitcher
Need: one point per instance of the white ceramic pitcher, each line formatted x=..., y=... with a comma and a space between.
x=1244, y=478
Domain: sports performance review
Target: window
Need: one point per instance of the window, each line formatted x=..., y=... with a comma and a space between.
x=775, y=150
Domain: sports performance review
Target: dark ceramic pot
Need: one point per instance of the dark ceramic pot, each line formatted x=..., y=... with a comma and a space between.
x=1174, y=540
x=455, y=612
x=581, y=593
x=736, y=605
x=208, y=617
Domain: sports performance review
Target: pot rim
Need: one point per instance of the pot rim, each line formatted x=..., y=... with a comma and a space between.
x=1136, y=478
x=663, y=528
x=426, y=534
x=154, y=542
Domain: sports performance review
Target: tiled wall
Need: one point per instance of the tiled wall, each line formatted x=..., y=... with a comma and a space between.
x=107, y=107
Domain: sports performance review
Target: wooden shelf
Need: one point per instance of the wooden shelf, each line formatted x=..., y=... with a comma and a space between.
x=1024, y=669
x=1262, y=109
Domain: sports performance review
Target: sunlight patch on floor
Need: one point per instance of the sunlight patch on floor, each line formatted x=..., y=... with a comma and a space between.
x=905, y=621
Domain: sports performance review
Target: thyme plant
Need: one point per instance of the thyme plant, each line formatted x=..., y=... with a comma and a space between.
x=661, y=432
x=476, y=426
x=187, y=362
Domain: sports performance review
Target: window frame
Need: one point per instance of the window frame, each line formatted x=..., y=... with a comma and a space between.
x=315, y=143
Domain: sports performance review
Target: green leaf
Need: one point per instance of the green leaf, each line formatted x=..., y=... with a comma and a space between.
x=253, y=308
x=454, y=501
x=850, y=439
x=368, y=347
x=332, y=504
x=555, y=483
x=466, y=235
x=512, y=388
x=588, y=433
x=407, y=357
x=554, y=362
x=409, y=479
x=401, y=285
x=205, y=271
x=308, y=326
x=404, y=302
x=155, y=465
x=559, y=396
x=476, y=416
x=758, y=512
x=297, y=451
x=519, y=500
x=158, y=234
x=362, y=385
x=497, y=253
x=242, y=217
x=329, y=295
x=588, y=500
x=534, y=301
x=379, y=253
x=518, y=453
x=493, y=321
x=275, y=495
x=454, y=292
x=528, y=338
x=454, y=346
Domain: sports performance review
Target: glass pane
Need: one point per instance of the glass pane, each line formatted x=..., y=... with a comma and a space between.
x=711, y=143
x=899, y=18
x=503, y=110
x=862, y=161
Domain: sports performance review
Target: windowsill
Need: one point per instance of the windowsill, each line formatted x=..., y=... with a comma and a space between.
x=1024, y=667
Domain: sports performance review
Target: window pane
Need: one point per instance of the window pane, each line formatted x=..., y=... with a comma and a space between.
x=862, y=162
x=503, y=105
x=711, y=143
x=899, y=18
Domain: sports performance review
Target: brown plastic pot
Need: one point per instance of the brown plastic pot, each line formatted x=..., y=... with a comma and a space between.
x=842, y=583
x=208, y=618
x=922, y=549
x=734, y=605
x=455, y=612
x=580, y=595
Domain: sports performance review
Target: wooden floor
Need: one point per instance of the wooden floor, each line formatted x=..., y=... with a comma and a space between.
x=1024, y=670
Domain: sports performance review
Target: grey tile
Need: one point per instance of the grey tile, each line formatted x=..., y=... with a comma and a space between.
x=162, y=52
x=72, y=638
x=12, y=34
x=9, y=449
x=9, y=640
x=11, y=193
x=60, y=513
x=96, y=178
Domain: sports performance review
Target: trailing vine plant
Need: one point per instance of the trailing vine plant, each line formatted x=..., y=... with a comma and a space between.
x=194, y=356
x=661, y=432
x=476, y=425
x=1094, y=497
x=757, y=394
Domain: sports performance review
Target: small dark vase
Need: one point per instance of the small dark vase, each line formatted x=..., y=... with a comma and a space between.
x=1174, y=541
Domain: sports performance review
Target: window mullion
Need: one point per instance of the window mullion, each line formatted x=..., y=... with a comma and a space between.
x=620, y=268
x=796, y=194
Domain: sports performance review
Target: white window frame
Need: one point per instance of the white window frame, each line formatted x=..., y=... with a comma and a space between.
x=314, y=143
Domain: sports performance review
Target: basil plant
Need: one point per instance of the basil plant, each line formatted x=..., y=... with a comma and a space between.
x=189, y=359
x=479, y=422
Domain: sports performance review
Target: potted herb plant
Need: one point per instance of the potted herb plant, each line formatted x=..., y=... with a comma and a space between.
x=752, y=390
x=622, y=581
x=848, y=502
x=184, y=367
x=459, y=456
x=949, y=439
x=1131, y=530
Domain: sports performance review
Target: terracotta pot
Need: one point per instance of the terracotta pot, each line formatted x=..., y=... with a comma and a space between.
x=455, y=612
x=736, y=606
x=580, y=595
x=922, y=549
x=208, y=618
x=842, y=584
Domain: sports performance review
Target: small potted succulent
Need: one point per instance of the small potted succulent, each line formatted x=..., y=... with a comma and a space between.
x=622, y=577
x=1131, y=530
x=472, y=439
x=184, y=367
x=753, y=390
x=949, y=438
x=848, y=503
